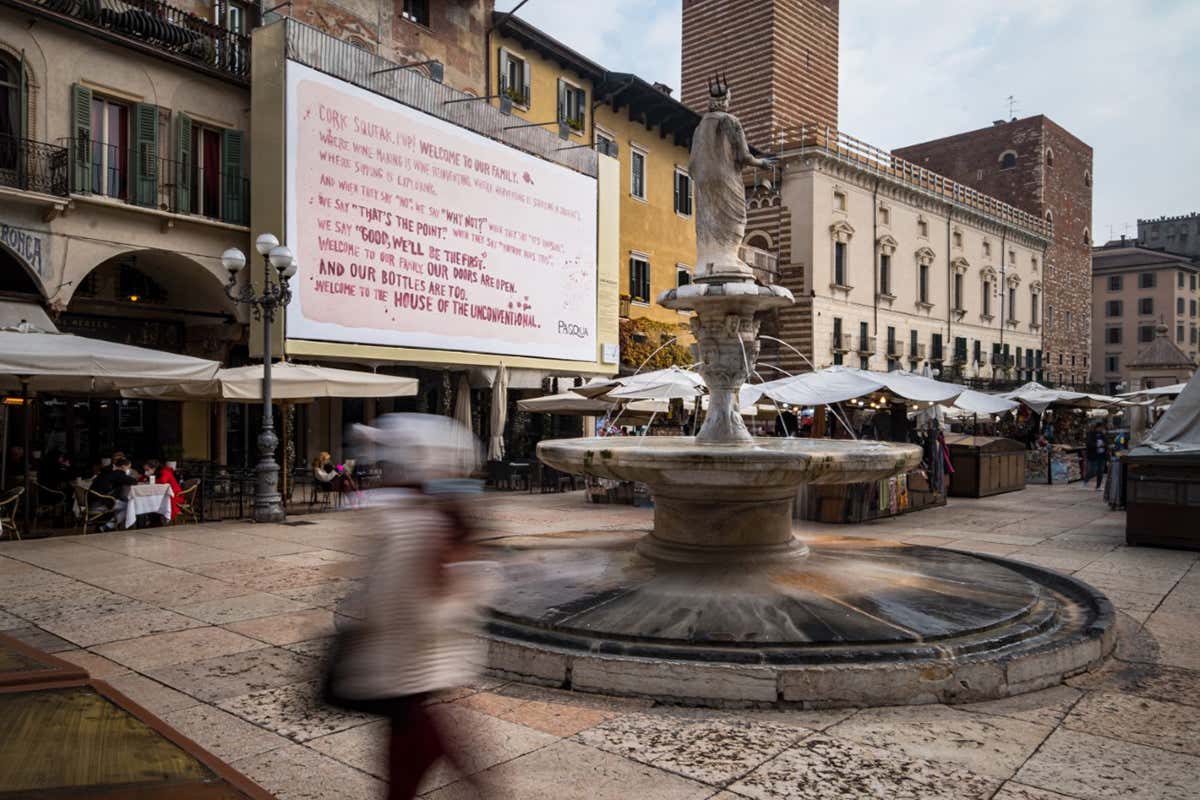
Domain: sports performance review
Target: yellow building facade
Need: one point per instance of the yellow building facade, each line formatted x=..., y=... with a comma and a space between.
x=624, y=117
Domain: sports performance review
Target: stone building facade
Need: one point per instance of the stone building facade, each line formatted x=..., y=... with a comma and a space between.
x=780, y=56
x=895, y=267
x=1135, y=289
x=1039, y=167
x=452, y=32
x=1179, y=234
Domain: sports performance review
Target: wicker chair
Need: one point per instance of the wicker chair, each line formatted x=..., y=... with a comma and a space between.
x=10, y=501
x=94, y=516
x=189, y=491
x=50, y=503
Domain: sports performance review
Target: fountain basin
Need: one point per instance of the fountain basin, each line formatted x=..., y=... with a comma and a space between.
x=726, y=503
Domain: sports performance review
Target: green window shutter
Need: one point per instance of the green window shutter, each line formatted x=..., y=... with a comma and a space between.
x=145, y=152
x=81, y=138
x=183, y=163
x=233, y=191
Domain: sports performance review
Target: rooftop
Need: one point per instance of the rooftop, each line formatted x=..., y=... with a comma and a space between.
x=1161, y=352
x=1118, y=255
x=847, y=148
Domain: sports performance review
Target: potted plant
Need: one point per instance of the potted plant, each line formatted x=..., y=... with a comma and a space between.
x=575, y=123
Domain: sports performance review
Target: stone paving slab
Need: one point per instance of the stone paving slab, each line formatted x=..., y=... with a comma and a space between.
x=164, y=615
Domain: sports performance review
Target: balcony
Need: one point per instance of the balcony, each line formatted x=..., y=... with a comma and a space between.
x=764, y=264
x=917, y=350
x=156, y=28
x=938, y=355
x=31, y=166
x=866, y=346
x=894, y=349
x=141, y=178
x=982, y=358
x=843, y=343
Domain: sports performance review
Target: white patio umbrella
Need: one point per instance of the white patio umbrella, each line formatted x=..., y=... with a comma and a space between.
x=289, y=381
x=669, y=382
x=462, y=401
x=979, y=403
x=566, y=403
x=34, y=359
x=499, y=414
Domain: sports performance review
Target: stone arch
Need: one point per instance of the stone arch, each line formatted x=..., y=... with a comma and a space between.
x=760, y=239
x=17, y=277
x=1007, y=159
x=1049, y=156
x=33, y=97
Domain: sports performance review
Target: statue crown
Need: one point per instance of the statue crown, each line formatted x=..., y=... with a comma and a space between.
x=718, y=86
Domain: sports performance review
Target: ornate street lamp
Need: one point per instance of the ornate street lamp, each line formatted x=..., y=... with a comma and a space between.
x=268, y=503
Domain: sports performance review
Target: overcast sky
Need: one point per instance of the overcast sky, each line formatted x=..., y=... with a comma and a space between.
x=1123, y=76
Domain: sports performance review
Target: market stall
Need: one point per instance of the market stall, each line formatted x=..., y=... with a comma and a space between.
x=985, y=465
x=1162, y=480
x=1061, y=422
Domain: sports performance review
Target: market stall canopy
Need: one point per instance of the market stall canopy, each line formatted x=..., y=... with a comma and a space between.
x=48, y=361
x=1039, y=398
x=668, y=383
x=979, y=403
x=289, y=381
x=1179, y=429
x=1158, y=391
x=840, y=383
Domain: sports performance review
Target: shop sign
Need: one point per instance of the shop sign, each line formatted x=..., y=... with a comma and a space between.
x=30, y=246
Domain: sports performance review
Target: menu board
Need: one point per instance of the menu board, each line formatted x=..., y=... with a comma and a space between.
x=413, y=232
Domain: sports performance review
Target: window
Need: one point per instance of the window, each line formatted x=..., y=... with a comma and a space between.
x=683, y=193
x=958, y=240
x=1193, y=283
x=1034, y=299
x=1147, y=280
x=683, y=275
x=885, y=274
x=958, y=291
x=839, y=263
x=1191, y=308
x=637, y=174
x=977, y=353
x=1113, y=308
x=1145, y=333
x=1087, y=178
x=572, y=105
x=605, y=144
x=1049, y=157
x=1146, y=305
x=960, y=349
x=864, y=333
x=922, y=228
x=234, y=16
x=1087, y=238
x=1179, y=305
x=1112, y=335
x=987, y=249
x=839, y=201
x=1114, y=283
x=885, y=215
x=1112, y=362
x=936, y=342
x=1179, y=332
x=208, y=171
x=913, y=350
x=987, y=298
x=923, y=284
x=864, y=362
x=1012, y=257
x=416, y=11
x=12, y=110
x=1012, y=304
x=1049, y=313
x=892, y=350
x=110, y=148
x=837, y=340
x=1008, y=159
x=1180, y=282
x=514, y=78
x=639, y=279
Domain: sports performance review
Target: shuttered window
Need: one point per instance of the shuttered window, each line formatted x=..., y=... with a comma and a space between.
x=639, y=279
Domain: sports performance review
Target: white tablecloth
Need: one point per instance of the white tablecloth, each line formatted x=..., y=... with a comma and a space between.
x=148, y=498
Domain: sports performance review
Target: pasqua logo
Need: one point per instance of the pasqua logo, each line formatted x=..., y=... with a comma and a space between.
x=572, y=329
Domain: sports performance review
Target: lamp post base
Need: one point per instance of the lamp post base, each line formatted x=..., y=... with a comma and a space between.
x=268, y=502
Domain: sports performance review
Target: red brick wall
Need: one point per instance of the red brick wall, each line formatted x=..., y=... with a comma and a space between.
x=1062, y=189
x=455, y=35
x=781, y=58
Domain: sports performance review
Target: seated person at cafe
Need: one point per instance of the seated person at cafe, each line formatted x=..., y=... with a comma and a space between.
x=115, y=484
x=161, y=473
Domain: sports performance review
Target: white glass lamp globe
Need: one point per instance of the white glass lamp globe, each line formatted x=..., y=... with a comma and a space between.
x=265, y=243
x=233, y=260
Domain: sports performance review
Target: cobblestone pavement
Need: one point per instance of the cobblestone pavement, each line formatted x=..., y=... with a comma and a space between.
x=219, y=630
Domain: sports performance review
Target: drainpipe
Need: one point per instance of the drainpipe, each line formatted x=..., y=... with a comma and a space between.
x=1042, y=310
x=1003, y=287
x=949, y=285
x=875, y=258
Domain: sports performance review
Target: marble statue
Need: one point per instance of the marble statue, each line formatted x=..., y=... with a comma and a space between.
x=719, y=154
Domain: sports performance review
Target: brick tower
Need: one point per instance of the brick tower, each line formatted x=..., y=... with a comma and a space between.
x=781, y=57
x=1038, y=166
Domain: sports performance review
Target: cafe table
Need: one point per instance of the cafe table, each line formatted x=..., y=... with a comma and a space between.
x=148, y=498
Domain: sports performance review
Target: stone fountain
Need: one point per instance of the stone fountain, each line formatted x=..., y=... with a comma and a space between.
x=721, y=602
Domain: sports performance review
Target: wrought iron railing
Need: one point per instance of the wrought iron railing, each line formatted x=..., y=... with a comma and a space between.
x=876, y=160
x=142, y=178
x=33, y=166
x=161, y=27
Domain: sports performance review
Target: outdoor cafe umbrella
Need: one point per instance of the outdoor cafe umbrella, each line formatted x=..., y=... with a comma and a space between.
x=289, y=381
x=840, y=383
x=462, y=401
x=34, y=359
x=499, y=414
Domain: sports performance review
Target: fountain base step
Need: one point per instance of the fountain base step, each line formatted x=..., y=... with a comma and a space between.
x=857, y=622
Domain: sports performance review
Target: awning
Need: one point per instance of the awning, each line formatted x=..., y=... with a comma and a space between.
x=566, y=403
x=289, y=381
x=1179, y=429
x=840, y=383
x=979, y=403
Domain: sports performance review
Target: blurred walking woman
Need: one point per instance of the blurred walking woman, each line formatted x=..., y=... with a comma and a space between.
x=420, y=598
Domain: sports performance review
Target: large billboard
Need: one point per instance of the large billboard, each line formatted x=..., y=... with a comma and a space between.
x=413, y=232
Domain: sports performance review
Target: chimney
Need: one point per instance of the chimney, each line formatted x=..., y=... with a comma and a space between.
x=662, y=87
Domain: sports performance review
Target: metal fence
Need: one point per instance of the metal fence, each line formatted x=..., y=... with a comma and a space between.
x=161, y=27
x=140, y=177
x=33, y=166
